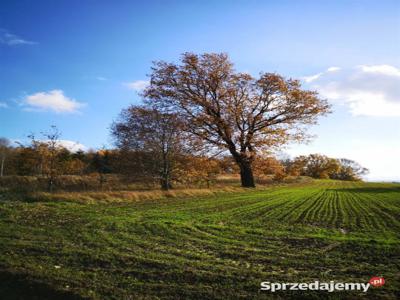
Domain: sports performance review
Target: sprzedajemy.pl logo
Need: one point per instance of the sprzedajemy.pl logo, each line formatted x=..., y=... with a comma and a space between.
x=330, y=286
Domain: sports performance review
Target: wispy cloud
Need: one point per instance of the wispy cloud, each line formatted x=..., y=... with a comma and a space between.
x=101, y=78
x=137, y=85
x=54, y=100
x=368, y=90
x=312, y=78
x=3, y=105
x=11, y=39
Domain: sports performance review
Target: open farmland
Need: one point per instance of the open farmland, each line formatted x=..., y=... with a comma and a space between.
x=206, y=247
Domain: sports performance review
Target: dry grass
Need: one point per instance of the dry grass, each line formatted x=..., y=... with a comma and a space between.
x=128, y=196
x=28, y=189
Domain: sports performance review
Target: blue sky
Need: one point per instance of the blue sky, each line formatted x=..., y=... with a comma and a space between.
x=76, y=64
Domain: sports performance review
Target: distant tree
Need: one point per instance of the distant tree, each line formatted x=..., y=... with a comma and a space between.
x=268, y=165
x=294, y=167
x=51, y=142
x=234, y=111
x=71, y=163
x=155, y=137
x=80, y=154
x=46, y=152
x=350, y=170
x=227, y=165
x=198, y=169
x=101, y=164
x=24, y=161
x=322, y=166
x=318, y=166
x=4, y=150
x=80, y=162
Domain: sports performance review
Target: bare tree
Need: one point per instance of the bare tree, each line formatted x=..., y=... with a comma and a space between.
x=155, y=135
x=350, y=170
x=4, y=147
x=52, y=140
x=234, y=111
x=47, y=151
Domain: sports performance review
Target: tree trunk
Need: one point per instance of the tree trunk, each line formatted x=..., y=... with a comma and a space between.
x=50, y=186
x=165, y=178
x=2, y=166
x=246, y=174
x=165, y=183
x=101, y=180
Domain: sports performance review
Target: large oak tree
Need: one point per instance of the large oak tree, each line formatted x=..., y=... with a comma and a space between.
x=231, y=110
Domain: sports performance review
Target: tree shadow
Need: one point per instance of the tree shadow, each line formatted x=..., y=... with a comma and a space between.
x=15, y=286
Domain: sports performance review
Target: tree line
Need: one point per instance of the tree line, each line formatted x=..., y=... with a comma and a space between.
x=199, y=118
x=50, y=160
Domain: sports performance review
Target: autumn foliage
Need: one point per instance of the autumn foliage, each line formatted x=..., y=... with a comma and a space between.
x=200, y=118
x=232, y=111
x=323, y=167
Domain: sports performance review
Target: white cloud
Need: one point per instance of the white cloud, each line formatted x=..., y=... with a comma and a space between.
x=68, y=144
x=54, y=100
x=3, y=105
x=381, y=69
x=72, y=146
x=367, y=90
x=101, y=78
x=137, y=85
x=12, y=39
x=333, y=69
